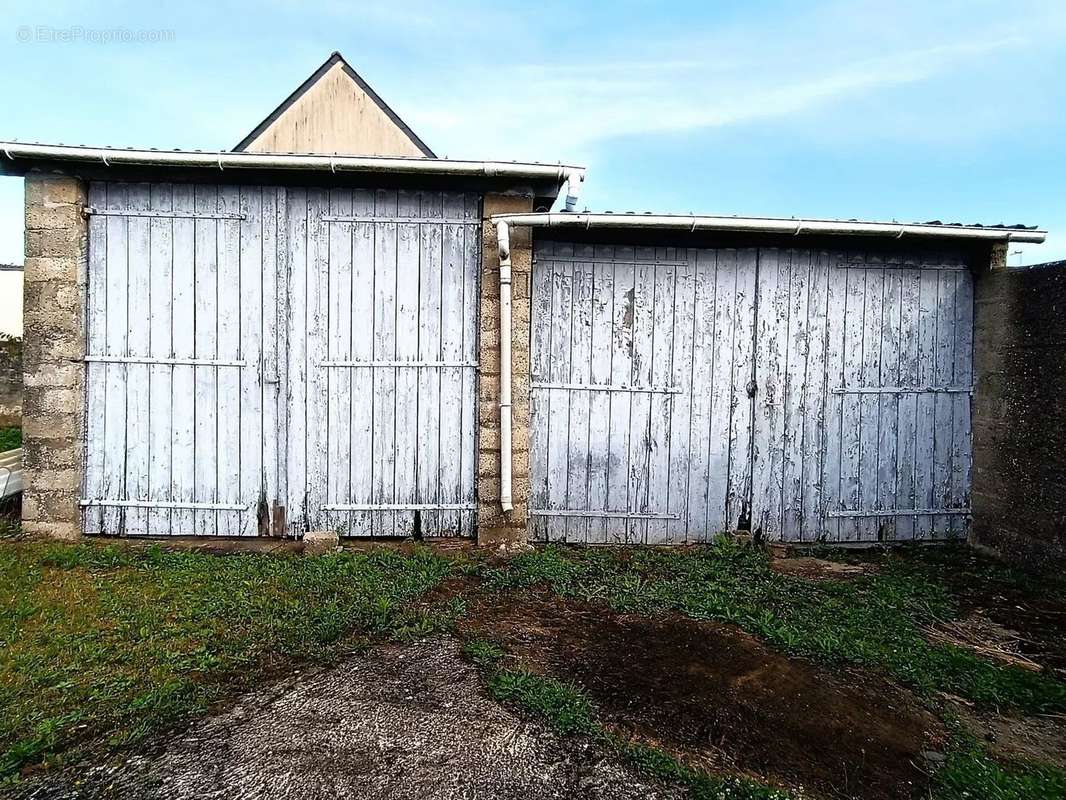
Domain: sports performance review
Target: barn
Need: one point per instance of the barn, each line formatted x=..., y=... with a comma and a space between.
x=330, y=329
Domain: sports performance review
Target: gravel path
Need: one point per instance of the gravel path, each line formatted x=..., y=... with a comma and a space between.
x=404, y=721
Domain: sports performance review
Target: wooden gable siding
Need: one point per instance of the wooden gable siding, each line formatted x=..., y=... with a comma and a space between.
x=335, y=112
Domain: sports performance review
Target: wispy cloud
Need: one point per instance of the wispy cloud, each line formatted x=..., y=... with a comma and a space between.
x=545, y=106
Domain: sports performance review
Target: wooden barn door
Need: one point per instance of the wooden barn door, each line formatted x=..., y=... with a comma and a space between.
x=182, y=399
x=864, y=373
x=382, y=357
x=641, y=419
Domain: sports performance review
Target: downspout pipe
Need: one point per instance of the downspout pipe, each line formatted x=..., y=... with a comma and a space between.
x=503, y=243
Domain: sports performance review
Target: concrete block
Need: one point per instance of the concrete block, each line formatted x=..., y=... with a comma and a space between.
x=50, y=216
x=42, y=189
x=317, y=543
x=58, y=243
x=65, y=531
x=64, y=269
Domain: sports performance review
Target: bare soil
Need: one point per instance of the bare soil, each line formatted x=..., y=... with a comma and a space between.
x=719, y=697
x=1015, y=736
x=816, y=569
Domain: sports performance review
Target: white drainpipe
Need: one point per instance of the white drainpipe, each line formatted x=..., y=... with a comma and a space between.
x=503, y=243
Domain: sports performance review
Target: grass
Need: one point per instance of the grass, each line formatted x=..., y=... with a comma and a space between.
x=119, y=642
x=970, y=773
x=10, y=439
x=874, y=620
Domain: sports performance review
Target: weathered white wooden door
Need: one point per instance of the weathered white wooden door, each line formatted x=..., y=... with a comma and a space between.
x=268, y=360
x=806, y=394
x=864, y=368
x=641, y=420
x=181, y=427
x=382, y=357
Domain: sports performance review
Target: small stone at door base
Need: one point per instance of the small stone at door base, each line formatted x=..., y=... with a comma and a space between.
x=317, y=543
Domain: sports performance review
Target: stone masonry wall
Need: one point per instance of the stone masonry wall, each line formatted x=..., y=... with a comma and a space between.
x=495, y=527
x=53, y=374
x=1019, y=414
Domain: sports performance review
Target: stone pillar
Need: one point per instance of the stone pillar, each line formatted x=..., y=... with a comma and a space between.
x=53, y=345
x=494, y=526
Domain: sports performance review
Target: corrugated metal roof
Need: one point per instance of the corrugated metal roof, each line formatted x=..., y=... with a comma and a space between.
x=996, y=226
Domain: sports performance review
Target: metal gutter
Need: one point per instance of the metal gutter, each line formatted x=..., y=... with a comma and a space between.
x=795, y=227
x=224, y=160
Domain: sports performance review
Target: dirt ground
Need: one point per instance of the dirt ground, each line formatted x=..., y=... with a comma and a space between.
x=719, y=697
x=404, y=721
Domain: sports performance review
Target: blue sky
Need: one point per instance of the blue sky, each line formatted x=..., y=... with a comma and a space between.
x=907, y=111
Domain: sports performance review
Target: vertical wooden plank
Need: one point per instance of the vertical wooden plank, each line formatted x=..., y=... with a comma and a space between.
x=640, y=402
x=601, y=347
x=205, y=339
x=471, y=305
x=450, y=442
x=851, y=429
x=681, y=404
x=160, y=345
x=907, y=405
x=962, y=443
x=577, y=489
x=943, y=433
x=283, y=315
x=317, y=314
x=540, y=371
x=869, y=409
x=621, y=375
x=251, y=487
x=385, y=276
x=137, y=375
x=406, y=342
x=926, y=403
x=794, y=397
x=833, y=497
x=888, y=404
x=428, y=316
x=660, y=441
x=96, y=374
x=269, y=376
x=361, y=342
x=558, y=440
x=813, y=399
x=739, y=472
x=773, y=311
x=184, y=385
x=296, y=363
x=720, y=391
x=703, y=341
x=229, y=523
x=339, y=387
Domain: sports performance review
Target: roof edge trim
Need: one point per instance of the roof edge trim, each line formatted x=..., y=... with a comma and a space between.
x=796, y=227
x=225, y=159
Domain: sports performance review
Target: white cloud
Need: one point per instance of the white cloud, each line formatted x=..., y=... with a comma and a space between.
x=539, y=108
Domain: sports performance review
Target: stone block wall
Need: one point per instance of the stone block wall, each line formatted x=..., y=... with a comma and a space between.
x=494, y=526
x=1019, y=414
x=52, y=370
